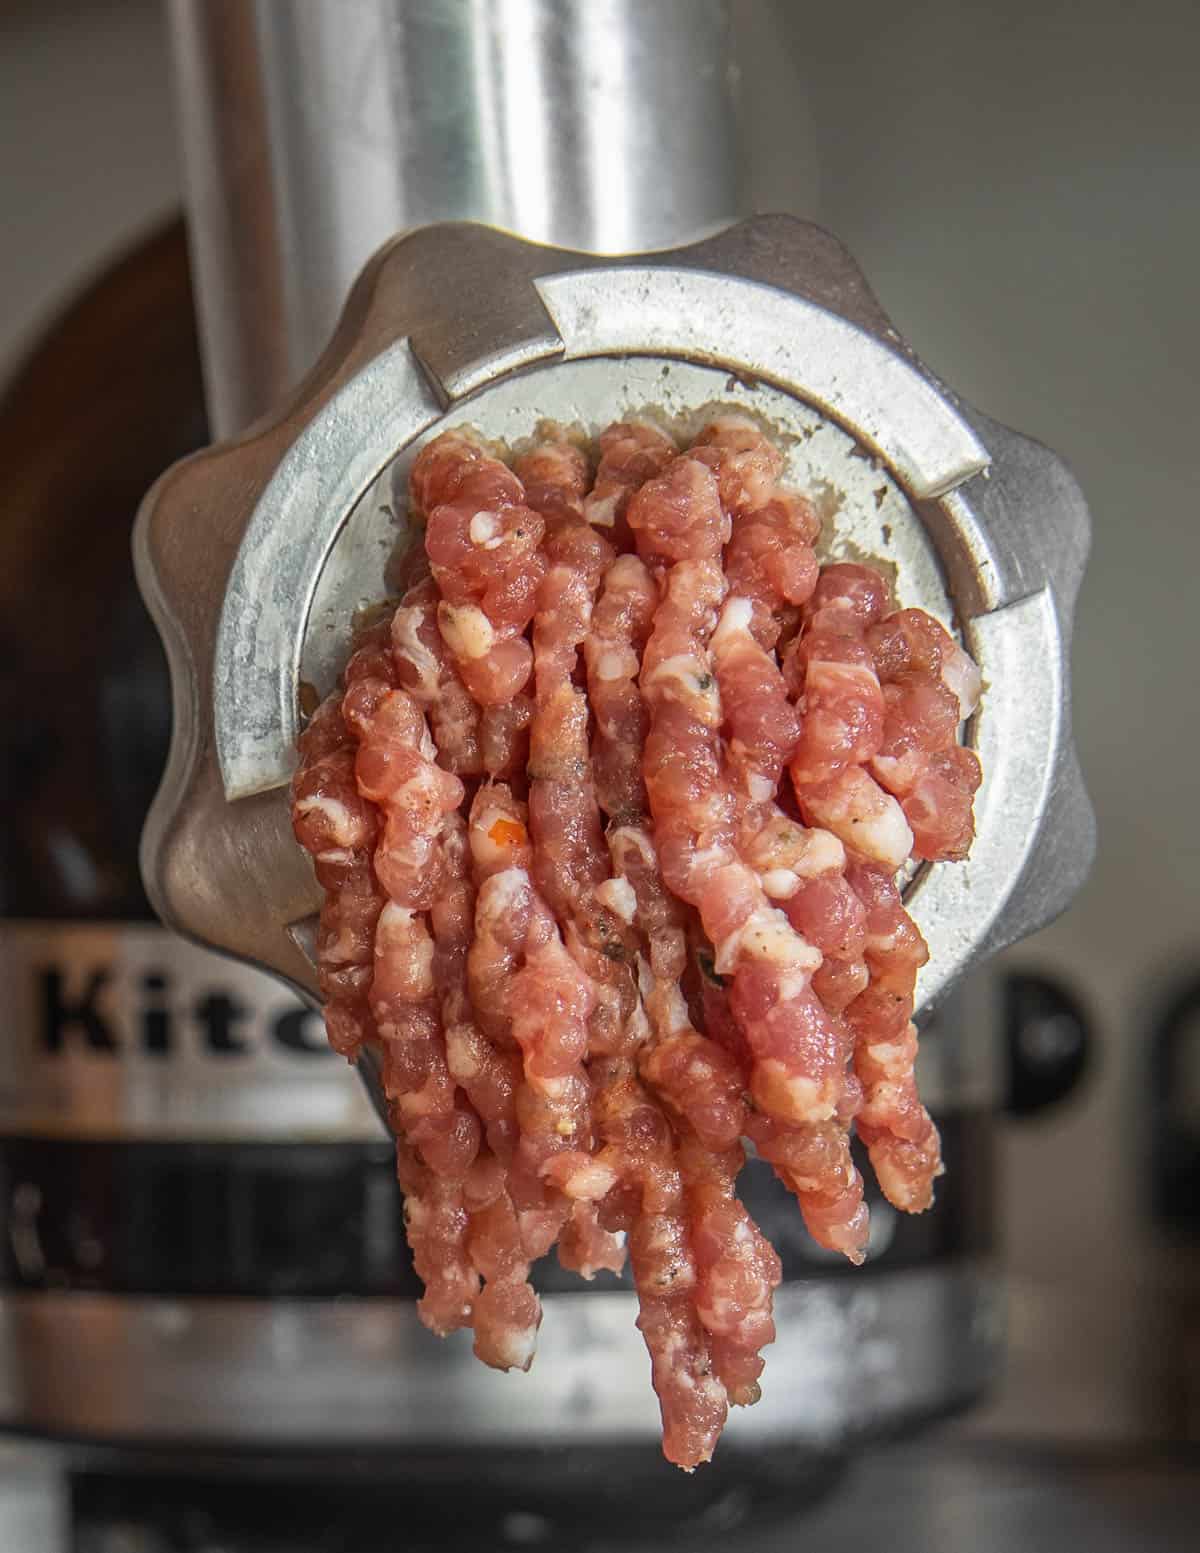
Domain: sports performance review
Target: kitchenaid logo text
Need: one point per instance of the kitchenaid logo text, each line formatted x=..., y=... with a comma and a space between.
x=96, y=1009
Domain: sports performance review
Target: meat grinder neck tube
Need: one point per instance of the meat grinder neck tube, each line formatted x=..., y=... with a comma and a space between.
x=312, y=133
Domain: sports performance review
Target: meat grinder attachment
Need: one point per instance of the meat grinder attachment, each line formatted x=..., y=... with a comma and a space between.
x=254, y=556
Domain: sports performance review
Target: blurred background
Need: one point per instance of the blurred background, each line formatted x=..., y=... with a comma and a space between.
x=1021, y=184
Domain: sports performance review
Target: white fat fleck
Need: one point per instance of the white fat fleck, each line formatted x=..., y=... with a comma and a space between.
x=638, y=1027
x=761, y=787
x=707, y=858
x=637, y=837
x=466, y=629
x=344, y=827
x=883, y=1100
x=884, y=943
x=768, y=935
x=506, y=889
x=713, y=1390
x=884, y=835
x=335, y=855
x=661, y=1238
x=614, y=665
x=341, y=950
x=602, y=510
x=743, y=1234
x=780, y=883
x=427, y=747
x=960, y=674
x=672, y=1348
x=795, y=983
x=483, y=527
x=409, y=645
x=823, y=854
x=854, y=678
x=424, y=782
x=517, y=1348
x=805, y=1101
x=619, y=897
x=890, y=768
x=555, y=1088
x=734, y=622
x=675, y=1014
x=892, y=1057
x=416, y=851
x=591, y=1182
x=690, y=677
x=461, y=1056
x=394, y=915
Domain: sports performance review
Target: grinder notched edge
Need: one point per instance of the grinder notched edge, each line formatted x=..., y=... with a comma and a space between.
x=230, y=545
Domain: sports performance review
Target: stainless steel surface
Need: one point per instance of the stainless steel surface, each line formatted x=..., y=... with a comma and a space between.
x=849, y=1359
x=34, y=1502
x=232, y=546
x=313, y=132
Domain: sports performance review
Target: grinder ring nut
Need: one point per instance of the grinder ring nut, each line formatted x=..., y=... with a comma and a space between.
x=253, y=555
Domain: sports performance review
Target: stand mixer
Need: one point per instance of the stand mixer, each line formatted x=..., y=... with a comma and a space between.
x=315, y=133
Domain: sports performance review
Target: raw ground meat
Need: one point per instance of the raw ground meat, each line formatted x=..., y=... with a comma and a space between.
x=608, y=812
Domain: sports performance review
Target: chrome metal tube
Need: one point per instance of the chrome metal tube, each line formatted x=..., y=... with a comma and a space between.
x=313, y=132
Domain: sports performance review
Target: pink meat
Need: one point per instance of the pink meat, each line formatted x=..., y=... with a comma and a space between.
x=631, y=453
x=570, y=859
x=501, y=856
x=613, y=650
x=896, y=1128
x=555, y=472
x=579, y=1026
x=426, y=670
x=737, y=1269
x=483, y=543
x=930, y=686
x=638, y=1136
x=799, y=1052
x=487, y=1074
x=339, y=828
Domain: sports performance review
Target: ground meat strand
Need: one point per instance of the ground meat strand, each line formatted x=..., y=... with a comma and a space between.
x=507, y=1312
x=483, y=544
x=930, y=686
x=501, y=854
x=395, y=769
x=570, y=859
x=769, y=559
x=487, y=1073
x=639, y=1139
x=698, y=1080
x=702, y=1085
x=896, y=1128
x=799, y=1053
x=737, y=1269
x=426, y=670
x=832, y=671
x=339, y=828
x=613, y=650
x=579, y=1027
x=631, y=452
x=794, y=865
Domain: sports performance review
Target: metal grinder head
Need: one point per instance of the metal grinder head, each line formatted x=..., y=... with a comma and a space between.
x=255, y=556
